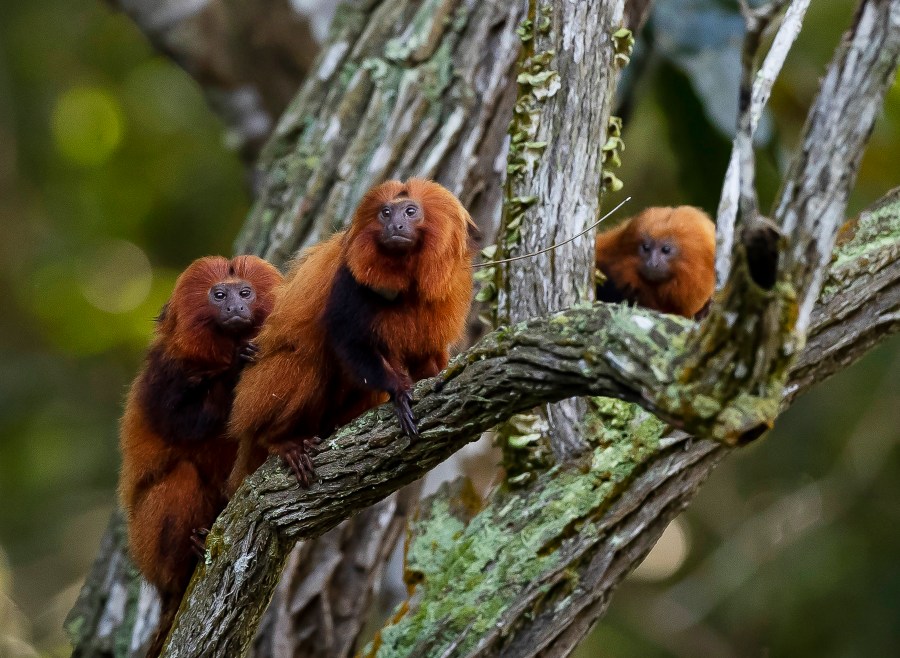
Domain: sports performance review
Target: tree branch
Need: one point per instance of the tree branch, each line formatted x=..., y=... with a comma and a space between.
x=756, y=86
x=615, y=353
x=554, y=170
x=534, y=568
x=248, y=56
x=814, y=195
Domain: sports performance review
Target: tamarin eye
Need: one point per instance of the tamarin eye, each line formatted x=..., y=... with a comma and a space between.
x=645, y=247
x=219, y=294
x=666, y=249
x=410, y=211
x=385, y=212
x=245, y=292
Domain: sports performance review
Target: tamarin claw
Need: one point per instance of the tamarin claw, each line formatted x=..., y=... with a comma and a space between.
x=298, y=456
x=198, y=541
x=403, y=408
x=248, y=352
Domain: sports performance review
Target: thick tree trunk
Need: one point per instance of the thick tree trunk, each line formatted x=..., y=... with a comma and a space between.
x=553, y=177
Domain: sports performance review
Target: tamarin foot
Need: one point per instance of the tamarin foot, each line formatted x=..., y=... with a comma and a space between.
x=198, y=541
x=248, y=352
x=402, y=407
x=298, y=455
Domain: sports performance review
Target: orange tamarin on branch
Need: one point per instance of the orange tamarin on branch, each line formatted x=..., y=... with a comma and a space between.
x=175, y=456
x=360, y=318
x=663, y=259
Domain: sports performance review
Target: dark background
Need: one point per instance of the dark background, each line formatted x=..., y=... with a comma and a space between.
x=114, y=175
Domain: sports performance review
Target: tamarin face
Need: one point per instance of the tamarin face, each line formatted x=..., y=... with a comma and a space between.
x=656, y=258
x=400, y=220
x=219, y=297
x=232, y=303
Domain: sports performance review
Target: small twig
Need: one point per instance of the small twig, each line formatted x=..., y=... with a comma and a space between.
x=554, y=246
x=738, y=189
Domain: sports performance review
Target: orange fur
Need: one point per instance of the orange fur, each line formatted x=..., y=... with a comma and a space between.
x=693, y=281
x=299, y=388
x=171, y=485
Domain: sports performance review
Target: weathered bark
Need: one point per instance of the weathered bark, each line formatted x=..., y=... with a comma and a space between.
x=554, y=173
x=411, y=84
x=249, y=56
x=403, y=89
x=449, y=96
x=756, y=86
x=325, y=595
x=553, y=552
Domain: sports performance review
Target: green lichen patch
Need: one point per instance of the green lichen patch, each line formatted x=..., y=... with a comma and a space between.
x=479, y=570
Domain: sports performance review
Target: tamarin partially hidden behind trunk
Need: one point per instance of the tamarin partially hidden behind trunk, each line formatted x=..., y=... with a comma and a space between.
x=360, y=318
x=662, y=259
x=175, y=455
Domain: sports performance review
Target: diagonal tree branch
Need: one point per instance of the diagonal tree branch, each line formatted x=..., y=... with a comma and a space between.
x=510, y=370
x=249, y=56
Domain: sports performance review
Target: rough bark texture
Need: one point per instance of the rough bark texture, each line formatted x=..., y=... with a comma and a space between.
x=402, y=89
x=397, y=82
x=554, y=172
x=540, y=564
x=248, y=56
x=325, y=595
x=814, y=195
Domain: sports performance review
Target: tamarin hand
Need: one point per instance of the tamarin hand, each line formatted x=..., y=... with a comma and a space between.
x=402, y=401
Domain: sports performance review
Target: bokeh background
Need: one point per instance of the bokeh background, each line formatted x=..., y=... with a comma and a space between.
x=114, y=175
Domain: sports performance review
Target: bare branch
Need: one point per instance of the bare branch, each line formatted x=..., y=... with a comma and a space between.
x=814, y=196
x=756, y=86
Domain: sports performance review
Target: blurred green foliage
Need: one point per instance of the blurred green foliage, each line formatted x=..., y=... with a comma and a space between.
x=113, y=176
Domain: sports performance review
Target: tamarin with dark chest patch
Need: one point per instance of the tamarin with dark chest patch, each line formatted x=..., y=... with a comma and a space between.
x=663, y=259
x=175, y=456
x=360, y=318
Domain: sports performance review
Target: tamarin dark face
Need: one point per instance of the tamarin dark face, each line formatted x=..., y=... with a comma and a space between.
x=400, y=220
x=233, y=302
x=656, y=258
